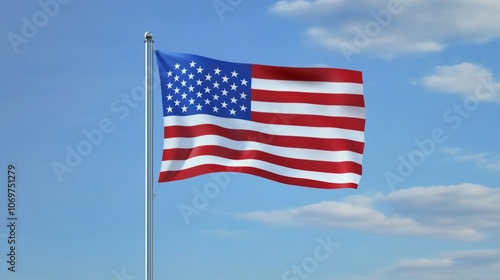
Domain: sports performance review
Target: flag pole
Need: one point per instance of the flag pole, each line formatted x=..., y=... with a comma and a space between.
x=148, y=143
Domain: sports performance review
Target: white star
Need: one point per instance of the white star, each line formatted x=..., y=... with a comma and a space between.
x=208, y=77
x=191, y=88
x=216, y=97
x=233, y=100
x=183, y=83
x=169, y=109
x=232, y=112
x=176, y=78
x=217, y=71
x=169, y=85
x=169, y=97
x=216, y=85
x=191, y=101
x=177, y=102
x=198, y=107
x=192, y=64
x=233, y=86
x=224, y=92
x=234, y=74
x=176, y=90
x=199, y=69
x=243, y=95
x=177, y=66
x=184, y=109
x=184, y=71
x=216, y=110
x=184, y=95
x=169, y=74
x=244, y=82
x=225, y=79
x=207, y=89
x=191, y=76
x=207, y=101
x=199, y=94
x=199, y=82
x=224, y=104
x=243, y=108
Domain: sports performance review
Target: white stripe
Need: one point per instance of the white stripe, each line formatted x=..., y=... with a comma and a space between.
x=298, y=153
x=175, y=165
x=278, y=129
x=309, y=109
x=301, y=86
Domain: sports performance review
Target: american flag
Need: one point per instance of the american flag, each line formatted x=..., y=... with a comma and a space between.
x=297, y=126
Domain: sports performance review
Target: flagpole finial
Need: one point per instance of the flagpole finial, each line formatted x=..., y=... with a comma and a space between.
x=148, y=35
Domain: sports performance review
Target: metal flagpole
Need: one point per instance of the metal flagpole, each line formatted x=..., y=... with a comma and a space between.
x=148, y=90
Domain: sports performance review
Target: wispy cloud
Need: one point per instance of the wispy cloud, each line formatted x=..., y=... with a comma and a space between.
x=225, y=233
x=454, y=265
x=422, y=26
x=464, y=79
x=485, y=160
x=466, y=212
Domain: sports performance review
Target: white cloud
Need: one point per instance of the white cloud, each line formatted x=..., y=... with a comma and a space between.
x=472, y=264
x=224, y=233
x=466, y=79
x=462, y=212
x=451, y=151
x=485, y=160
x=291, y=7
x=473, y=206
x=306, y=7
x=393, y=27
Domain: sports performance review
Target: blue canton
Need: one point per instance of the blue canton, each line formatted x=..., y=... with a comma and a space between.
x=198, y=85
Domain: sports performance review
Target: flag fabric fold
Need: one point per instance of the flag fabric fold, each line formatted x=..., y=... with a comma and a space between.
x=297, y=126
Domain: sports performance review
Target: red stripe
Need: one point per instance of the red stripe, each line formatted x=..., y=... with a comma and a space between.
x=300, y=164
x=308, y=120
x=306, y=74
x=339, y=99
x=167, y=176
x=271, y=139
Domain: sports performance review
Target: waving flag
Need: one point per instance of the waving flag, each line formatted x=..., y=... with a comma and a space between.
x=297, y=126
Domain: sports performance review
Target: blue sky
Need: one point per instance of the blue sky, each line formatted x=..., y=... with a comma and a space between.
x=427, y=206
